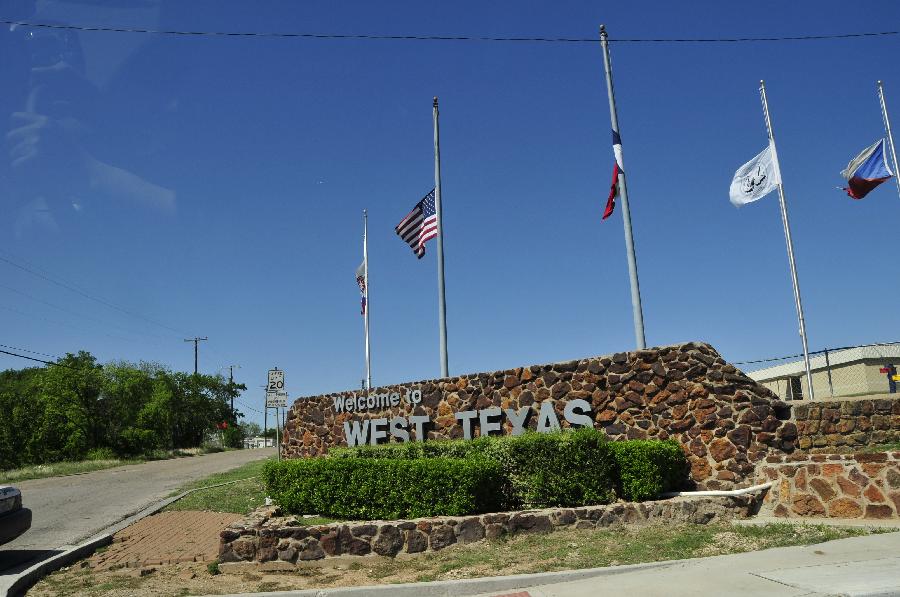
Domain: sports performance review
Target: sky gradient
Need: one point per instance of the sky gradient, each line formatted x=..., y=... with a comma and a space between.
x=214, y=186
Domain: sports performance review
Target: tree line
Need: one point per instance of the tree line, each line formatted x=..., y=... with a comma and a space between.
x=77, y=408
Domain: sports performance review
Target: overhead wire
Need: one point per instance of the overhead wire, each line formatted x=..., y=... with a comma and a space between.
x=19, y=348
x=242, y=404
x=72, y=288
x=48, y=276
x=77, y=314
x=475, y=38
x=22, y=356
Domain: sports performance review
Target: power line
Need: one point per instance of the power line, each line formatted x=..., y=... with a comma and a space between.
x=77, y=314
x=76, y=290
x=22, y=356
x=63, y=323
x=242, y=404
x=43, y=354
x=812, y=352
x=364, y=36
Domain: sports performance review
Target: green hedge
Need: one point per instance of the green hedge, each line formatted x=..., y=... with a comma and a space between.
x=572, y=468
x=358, y=488
x=567, y=468
x=648, y=468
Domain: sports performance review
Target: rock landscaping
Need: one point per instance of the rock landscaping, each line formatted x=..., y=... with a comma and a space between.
x=268, y=536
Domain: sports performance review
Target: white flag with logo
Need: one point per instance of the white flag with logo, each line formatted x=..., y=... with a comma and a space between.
x=755, y=179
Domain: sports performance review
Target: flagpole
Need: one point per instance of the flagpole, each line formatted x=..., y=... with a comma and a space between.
x=887, y=127
x=637, y=311
x=366, y=296
x=442, y=303
x=787, y=238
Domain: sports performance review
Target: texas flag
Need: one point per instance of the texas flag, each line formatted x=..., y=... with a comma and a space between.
x=866, y=171
x=617, y=169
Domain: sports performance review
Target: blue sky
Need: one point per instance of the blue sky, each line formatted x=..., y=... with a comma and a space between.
x=215, y=186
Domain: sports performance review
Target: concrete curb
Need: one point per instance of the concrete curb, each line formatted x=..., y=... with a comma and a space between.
x=466, y=586
x=16, y=584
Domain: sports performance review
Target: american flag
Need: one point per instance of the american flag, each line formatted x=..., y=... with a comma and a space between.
x=361, y=280
x=419, y=225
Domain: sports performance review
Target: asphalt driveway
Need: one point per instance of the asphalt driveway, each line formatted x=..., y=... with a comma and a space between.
x=67, y=510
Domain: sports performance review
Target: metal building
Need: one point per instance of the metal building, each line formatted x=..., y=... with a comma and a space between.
x=849, y=372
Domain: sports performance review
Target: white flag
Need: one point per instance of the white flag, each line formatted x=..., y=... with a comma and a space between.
x=755, y=179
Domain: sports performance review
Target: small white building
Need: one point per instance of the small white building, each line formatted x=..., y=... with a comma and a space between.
x=839, y=373
x=259, y=442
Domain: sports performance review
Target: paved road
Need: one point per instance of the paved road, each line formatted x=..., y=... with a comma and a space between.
x=67, y=510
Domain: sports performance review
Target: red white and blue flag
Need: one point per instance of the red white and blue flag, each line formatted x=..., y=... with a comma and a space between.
x=617, y=170
x=419, y=225
x=361, y=281
x=866, y=171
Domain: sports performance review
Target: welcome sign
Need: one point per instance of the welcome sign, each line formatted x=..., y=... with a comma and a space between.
x=576, y=413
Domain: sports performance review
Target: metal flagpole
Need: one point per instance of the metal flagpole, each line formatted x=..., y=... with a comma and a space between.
x=637, y=311
x=366, y=295
x=787, y=238
x=890, y=135
x=442, y=303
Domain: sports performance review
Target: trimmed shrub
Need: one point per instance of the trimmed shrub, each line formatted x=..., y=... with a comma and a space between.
x=648, y=468
x=568, y=468
x=385, y=488
x=458, y=448
x=571, y=468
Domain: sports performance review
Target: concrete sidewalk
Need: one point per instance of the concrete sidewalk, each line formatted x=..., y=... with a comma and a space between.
x=855, y=566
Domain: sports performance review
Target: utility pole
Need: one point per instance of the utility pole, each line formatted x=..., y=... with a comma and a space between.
x=231, y=384
x=196, y=342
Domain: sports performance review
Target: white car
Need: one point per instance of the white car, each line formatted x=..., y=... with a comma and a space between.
x=14, y=519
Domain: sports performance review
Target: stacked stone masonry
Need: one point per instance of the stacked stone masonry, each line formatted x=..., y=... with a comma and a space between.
x=824, y=426
x=833, y=485
x=265, y=536
x=724, y=420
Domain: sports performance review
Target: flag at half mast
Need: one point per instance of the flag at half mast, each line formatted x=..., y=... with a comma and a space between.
x=866, y=171
x=617, y=170
x=361, y=280
x=419, y=225
x=755, y=179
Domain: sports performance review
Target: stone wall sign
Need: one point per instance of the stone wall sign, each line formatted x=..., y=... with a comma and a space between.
x=725, y=421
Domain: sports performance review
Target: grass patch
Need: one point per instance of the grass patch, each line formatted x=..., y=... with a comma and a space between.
x=886, y=447
x=573, y=549
x=65, y=468
x=60, y=469
x=891, y=447
x=240, y=498
x=247, y=493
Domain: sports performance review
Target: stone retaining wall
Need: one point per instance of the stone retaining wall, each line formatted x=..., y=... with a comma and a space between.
x=823, y=426
x=265, y=536
x=725, y=421
x=833, y=485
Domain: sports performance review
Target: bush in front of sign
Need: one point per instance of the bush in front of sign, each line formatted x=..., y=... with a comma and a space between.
x=457, y=448
x=381, y=488
x=571, y=468
x=566, y=468
x=648, y=468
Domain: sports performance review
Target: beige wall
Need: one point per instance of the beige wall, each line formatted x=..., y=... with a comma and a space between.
x=851, y=379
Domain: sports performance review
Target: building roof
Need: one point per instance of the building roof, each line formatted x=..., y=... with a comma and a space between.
x=836, y=357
